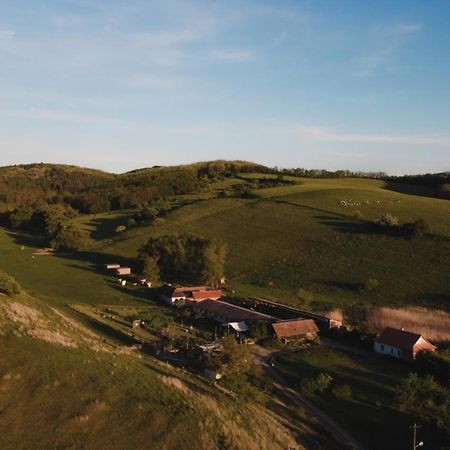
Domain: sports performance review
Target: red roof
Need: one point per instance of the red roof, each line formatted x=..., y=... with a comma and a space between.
x=404, y=340
x=296, y=327
x=204, y=295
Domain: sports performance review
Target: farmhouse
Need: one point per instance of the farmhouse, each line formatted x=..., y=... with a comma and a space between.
x=294, y=329
x=401, y=344
x=172, y=295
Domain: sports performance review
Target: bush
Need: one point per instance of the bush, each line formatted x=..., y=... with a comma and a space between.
x=319, y=384
x=387, y=220
x=357, y=215
x=371, y=284
x=8, y=285
x=120, y=228
x=131, y=222
x=342, y=391
x=259, y=330
x=304, y=296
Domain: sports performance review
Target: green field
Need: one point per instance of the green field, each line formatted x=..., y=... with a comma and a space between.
x=285, y=238
x=302, y=237
x=371, y=411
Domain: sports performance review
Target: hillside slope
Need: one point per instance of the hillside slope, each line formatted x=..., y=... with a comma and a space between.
x=63, y=386
x=306, y=236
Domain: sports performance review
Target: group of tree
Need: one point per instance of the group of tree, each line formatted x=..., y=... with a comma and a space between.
x=438, y=182
x=8, y=285
x=52, y=222
x=425, y=398
x=185, y=258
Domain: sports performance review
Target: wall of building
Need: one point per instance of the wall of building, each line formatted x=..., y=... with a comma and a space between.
x=388, y=350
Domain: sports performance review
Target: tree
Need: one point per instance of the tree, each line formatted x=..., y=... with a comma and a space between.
x=236, y=358
x=70, y=238
x=8, y=285
x=259, y=330
x=151, y=269
x=20, y=217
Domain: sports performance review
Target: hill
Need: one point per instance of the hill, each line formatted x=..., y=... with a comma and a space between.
x=318, y=235
x=77, y=389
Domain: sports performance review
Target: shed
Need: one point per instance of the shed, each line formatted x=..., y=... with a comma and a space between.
x=296, y=328
x=123, y=271
x=112, y=266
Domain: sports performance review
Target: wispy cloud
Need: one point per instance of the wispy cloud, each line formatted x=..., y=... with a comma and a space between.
x=387, y=42
x=317, y=133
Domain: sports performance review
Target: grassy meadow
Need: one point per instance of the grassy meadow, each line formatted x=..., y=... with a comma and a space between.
x=287, y=238
x=300, y=236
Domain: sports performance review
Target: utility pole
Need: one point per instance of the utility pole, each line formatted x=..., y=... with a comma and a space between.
x=415, y=427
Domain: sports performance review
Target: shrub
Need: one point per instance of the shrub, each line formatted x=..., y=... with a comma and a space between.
x=319, y=384
x=259, y=330
x=371, y=284
x=357, y=214
x=342, y=391
x=120, y=228
x=8, y=285
x=304, y=296
x=131, y=222
x=387, y=220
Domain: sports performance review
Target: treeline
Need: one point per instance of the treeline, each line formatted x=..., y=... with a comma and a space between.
x=440, y=182
x=53, y=223
x=90, y=192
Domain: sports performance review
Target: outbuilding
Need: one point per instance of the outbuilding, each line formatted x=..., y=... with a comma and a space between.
x=123, y=271
x=287, y=330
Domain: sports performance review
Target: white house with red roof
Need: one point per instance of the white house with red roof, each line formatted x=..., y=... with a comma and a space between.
x=401, y=344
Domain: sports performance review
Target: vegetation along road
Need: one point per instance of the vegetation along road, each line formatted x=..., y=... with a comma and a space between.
x=264, y=357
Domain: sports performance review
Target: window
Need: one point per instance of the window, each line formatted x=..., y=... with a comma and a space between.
x=382, y=347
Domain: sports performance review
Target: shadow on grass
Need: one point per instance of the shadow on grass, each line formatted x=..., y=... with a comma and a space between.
x=411, y=189
x=344, y=285
x=105, y=227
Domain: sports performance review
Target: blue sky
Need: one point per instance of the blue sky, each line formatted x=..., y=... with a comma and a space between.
x=117, y=85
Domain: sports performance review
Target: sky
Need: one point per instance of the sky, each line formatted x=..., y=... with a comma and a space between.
x=119, y=85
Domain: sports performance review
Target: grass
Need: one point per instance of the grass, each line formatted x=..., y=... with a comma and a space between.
x=91, y=393
x=277, y=244
x=288, y=245
x=371, y=412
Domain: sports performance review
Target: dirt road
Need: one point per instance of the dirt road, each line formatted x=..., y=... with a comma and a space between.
x=264, y=357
